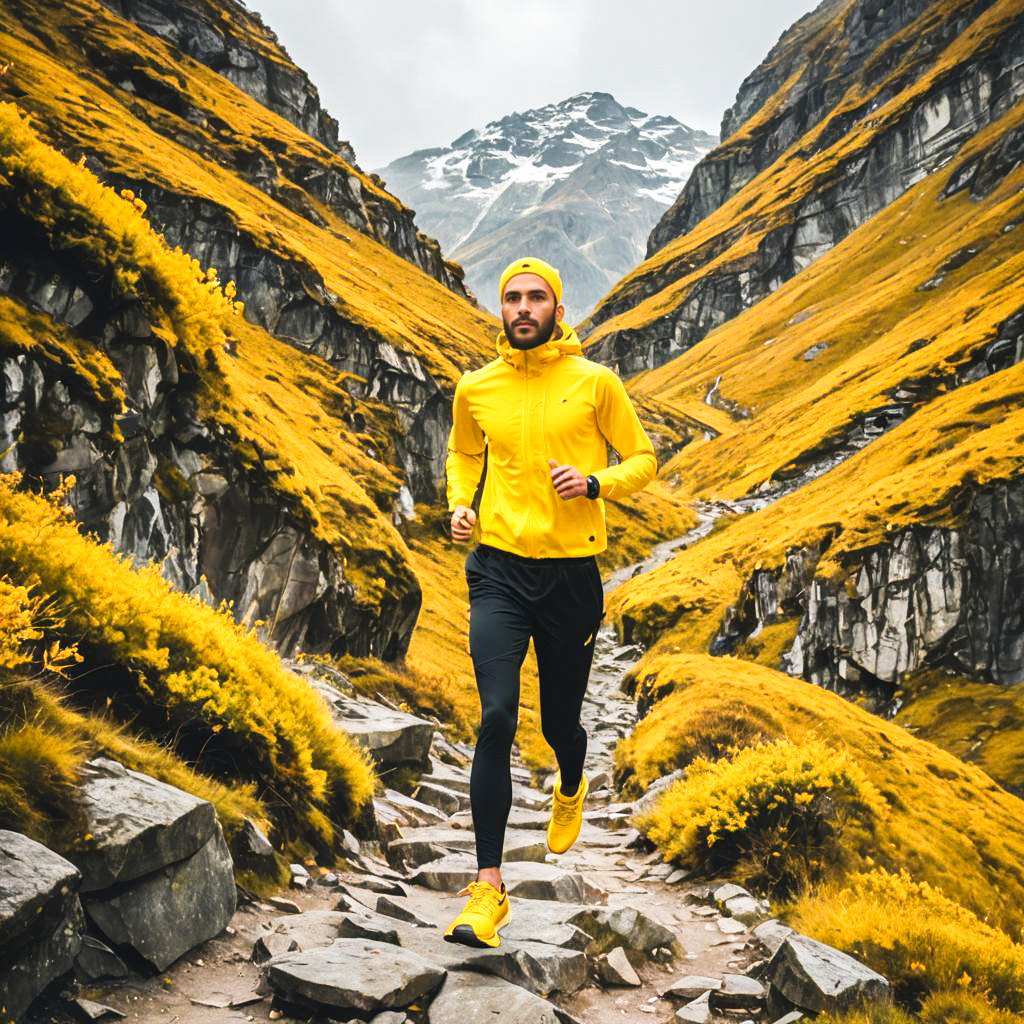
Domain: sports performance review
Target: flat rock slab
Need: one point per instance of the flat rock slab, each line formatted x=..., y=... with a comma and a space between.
x=409, y=812
x=478, y=999
x=519, y=817
x=691, y=987
x=165, y=914
x=41, y=921
x=316, y=928
x=354, y=975
x=138, y=824
x=525, y=879
x=520, y=844
x=447, y=775
x=446, y=800
x=815, y=976
x=393, y=738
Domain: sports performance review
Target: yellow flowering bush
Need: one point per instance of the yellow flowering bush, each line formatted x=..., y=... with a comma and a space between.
x=186, y=672
x=773, y=811
x=919, y=938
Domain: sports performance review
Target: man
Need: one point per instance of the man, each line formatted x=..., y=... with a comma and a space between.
x=545, y=415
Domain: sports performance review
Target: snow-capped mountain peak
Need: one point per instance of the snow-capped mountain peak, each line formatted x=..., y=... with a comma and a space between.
x=580, y=182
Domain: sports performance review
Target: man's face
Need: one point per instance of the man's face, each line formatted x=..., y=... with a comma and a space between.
x=528, y=310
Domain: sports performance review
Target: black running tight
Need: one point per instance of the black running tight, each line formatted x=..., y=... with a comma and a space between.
x=559, y=602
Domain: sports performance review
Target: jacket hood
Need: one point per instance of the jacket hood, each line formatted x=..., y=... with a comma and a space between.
x=554, y=348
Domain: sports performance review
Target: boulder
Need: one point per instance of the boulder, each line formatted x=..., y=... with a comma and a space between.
x=771, y=934
x=447, y=775
x=41, y=921
x=251, y=849
x=391, y=908
x=727, y=892
x=467, y=998
x=393, y=738
x=355, y=976
x=407, y=811
x=744, y=908
x=542, y=968
x=546, y=921
x=814, y=976
x=625, y=926
x=138, y=824
x=164, y=914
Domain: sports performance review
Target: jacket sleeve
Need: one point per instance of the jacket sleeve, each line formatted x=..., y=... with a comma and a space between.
x=622, y=429
x=466, y=445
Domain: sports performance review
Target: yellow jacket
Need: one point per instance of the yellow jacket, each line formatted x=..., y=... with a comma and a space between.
x=531, y=405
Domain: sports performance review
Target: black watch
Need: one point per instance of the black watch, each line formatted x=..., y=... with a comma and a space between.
x=593, y=486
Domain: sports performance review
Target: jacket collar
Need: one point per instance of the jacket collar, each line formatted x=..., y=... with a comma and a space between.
x=533, y=360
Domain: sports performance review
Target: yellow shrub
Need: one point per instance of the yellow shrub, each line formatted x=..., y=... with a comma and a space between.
x=185, y=671
x=963, y=1008
x=921, y=940
x=776, y=809
x=16, y=625
x=672, y=737
x=880, y=1013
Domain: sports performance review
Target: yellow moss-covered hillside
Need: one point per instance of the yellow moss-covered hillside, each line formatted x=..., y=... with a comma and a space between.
x=863, y=300
x=184, y=673
x=728, y=237
x=284, y=409
x=63, y=76
x=944, y=821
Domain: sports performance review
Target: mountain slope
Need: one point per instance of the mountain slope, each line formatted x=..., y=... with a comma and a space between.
x=578, y=182
x=902, y=89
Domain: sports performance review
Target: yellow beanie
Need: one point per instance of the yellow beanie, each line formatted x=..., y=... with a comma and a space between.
x=531, y=265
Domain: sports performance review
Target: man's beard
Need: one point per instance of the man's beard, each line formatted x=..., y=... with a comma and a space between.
x=544, y=332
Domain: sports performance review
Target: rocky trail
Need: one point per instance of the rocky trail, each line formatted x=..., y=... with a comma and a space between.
x=605, y=932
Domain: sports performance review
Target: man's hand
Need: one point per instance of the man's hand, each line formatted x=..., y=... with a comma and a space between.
x=463, y=521
x=567, y=480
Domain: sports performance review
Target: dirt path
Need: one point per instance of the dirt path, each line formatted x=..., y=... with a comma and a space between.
x=603, y=868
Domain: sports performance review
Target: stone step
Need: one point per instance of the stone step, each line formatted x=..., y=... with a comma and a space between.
x=525, y=879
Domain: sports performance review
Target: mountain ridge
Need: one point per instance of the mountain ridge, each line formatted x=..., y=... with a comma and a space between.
x=578, y=182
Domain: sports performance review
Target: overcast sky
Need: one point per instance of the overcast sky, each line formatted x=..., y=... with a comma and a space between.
x=401, y=75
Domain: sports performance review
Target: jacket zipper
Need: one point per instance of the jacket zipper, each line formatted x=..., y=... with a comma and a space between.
x=526, y=450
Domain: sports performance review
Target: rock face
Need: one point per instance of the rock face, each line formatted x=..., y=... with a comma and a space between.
x=822, y=86
x=174, y=490
x=579, y=183
x=234, y=42
x=41, y=920
x=925, y=598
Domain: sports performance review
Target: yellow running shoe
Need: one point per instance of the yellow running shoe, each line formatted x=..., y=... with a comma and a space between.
x=485, y=912
x=566, y=816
